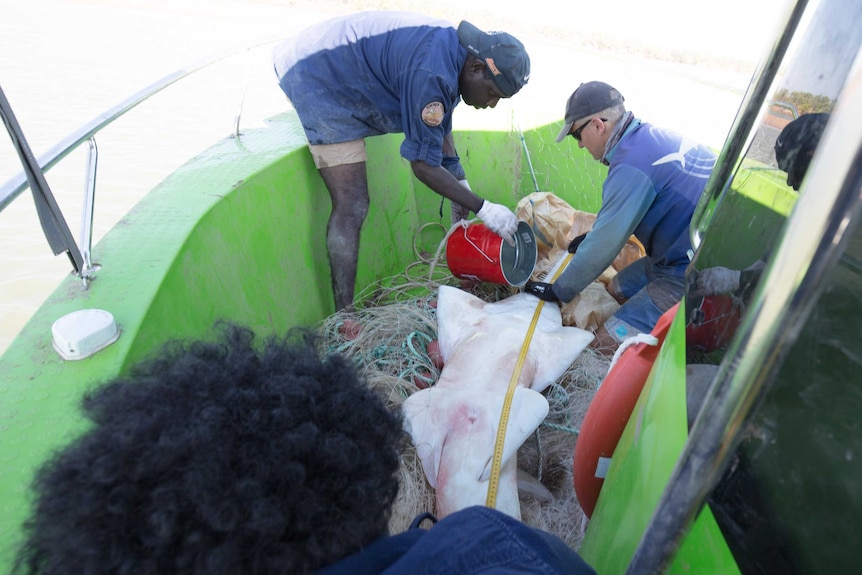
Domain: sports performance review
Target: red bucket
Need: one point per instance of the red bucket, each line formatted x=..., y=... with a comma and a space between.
x=476, y=253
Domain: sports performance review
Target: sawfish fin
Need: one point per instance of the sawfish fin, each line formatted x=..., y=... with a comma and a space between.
x=427, y=430
x=457, y=312
x=553, y=347
x=567, y=344
x=430, y=419
x=527, y=411
x=532, y=486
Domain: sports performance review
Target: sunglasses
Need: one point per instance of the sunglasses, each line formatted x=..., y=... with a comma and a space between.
x=576, y=134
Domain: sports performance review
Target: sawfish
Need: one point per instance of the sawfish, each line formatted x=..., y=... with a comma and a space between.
x=454, y=424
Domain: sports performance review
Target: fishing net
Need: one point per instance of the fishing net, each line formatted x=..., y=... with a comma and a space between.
x=398, y=320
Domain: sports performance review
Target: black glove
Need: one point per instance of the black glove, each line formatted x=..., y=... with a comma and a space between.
x=543, y=291
x=573, y=245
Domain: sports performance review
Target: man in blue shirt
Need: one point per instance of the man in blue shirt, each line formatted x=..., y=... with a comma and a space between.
x=655, y=178
x=375, y=73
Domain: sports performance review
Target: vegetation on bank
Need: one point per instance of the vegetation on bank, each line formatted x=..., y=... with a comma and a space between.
x=805, y=102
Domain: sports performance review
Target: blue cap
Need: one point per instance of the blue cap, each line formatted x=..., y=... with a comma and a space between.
x=502, y=53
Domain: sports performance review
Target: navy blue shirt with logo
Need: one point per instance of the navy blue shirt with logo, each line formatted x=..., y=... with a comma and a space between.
x=373, y=73
x=655, y=178
x=472, y=541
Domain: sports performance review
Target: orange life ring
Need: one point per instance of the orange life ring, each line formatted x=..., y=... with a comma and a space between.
x=609, y=412
x=611, y=407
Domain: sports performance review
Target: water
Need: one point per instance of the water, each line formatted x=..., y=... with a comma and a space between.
x=63, y=62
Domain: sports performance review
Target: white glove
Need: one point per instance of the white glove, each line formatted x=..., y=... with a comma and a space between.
x=459, y=212
x=499, y=220
x=717, y=280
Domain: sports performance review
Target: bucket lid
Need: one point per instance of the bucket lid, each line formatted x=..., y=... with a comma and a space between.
x=518, y=262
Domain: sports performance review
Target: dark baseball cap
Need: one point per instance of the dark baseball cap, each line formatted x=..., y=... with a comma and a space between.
x=799, y=137
x=502, y=53
x=589, y=98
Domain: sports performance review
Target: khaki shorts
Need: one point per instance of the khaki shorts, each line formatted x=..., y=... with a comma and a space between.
x=329, y=155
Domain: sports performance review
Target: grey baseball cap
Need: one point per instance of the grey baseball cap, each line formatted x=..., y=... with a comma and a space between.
x=502, y=53
x=589, y=98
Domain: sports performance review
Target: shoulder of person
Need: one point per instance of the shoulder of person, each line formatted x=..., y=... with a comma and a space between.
x=483, y=540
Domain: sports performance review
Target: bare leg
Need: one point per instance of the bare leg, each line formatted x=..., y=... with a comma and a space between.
x=348, y=188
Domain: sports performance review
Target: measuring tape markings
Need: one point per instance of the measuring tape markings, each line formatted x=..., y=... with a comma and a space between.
x=496, y=463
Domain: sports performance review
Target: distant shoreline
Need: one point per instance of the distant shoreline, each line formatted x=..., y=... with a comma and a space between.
x=65, y=61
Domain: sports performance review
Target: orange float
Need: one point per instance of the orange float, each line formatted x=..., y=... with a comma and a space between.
x=609, y=412
x=611, y=407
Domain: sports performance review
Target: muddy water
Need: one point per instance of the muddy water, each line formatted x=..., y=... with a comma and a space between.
x=63, y=62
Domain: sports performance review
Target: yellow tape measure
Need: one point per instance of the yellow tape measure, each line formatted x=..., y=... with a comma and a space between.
x=497, y=461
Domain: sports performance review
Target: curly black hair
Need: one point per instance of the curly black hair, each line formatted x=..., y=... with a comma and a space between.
x=218, y=457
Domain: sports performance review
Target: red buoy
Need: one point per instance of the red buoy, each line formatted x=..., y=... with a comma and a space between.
x=609, y=412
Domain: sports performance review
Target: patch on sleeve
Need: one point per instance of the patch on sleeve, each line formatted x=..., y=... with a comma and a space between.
x=432, y=114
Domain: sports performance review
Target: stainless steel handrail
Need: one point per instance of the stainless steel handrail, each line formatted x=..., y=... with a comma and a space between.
x=16, y=185
x=755, y=96
x=829, y=209
x=86, y=239
x=56, y=231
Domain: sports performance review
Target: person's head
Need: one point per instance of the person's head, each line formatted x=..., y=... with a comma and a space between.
x=220, y=458
x=795, y=146
x=591, y=113
x=497, y=66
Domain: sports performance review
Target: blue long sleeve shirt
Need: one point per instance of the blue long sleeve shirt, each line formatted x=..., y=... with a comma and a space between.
x=374, y=73
x=472, y=541
x=655, y=178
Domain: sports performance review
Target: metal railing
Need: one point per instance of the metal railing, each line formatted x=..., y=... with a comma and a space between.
x=812, y=243
x=53, y=223
x=741, y=131
x=32, y=176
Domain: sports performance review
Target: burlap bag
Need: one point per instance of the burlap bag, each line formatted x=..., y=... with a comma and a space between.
x=555, y=224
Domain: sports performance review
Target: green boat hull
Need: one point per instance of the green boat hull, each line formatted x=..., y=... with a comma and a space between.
x=237, y=233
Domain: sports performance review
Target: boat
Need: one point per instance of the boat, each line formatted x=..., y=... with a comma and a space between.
x=765, y=479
